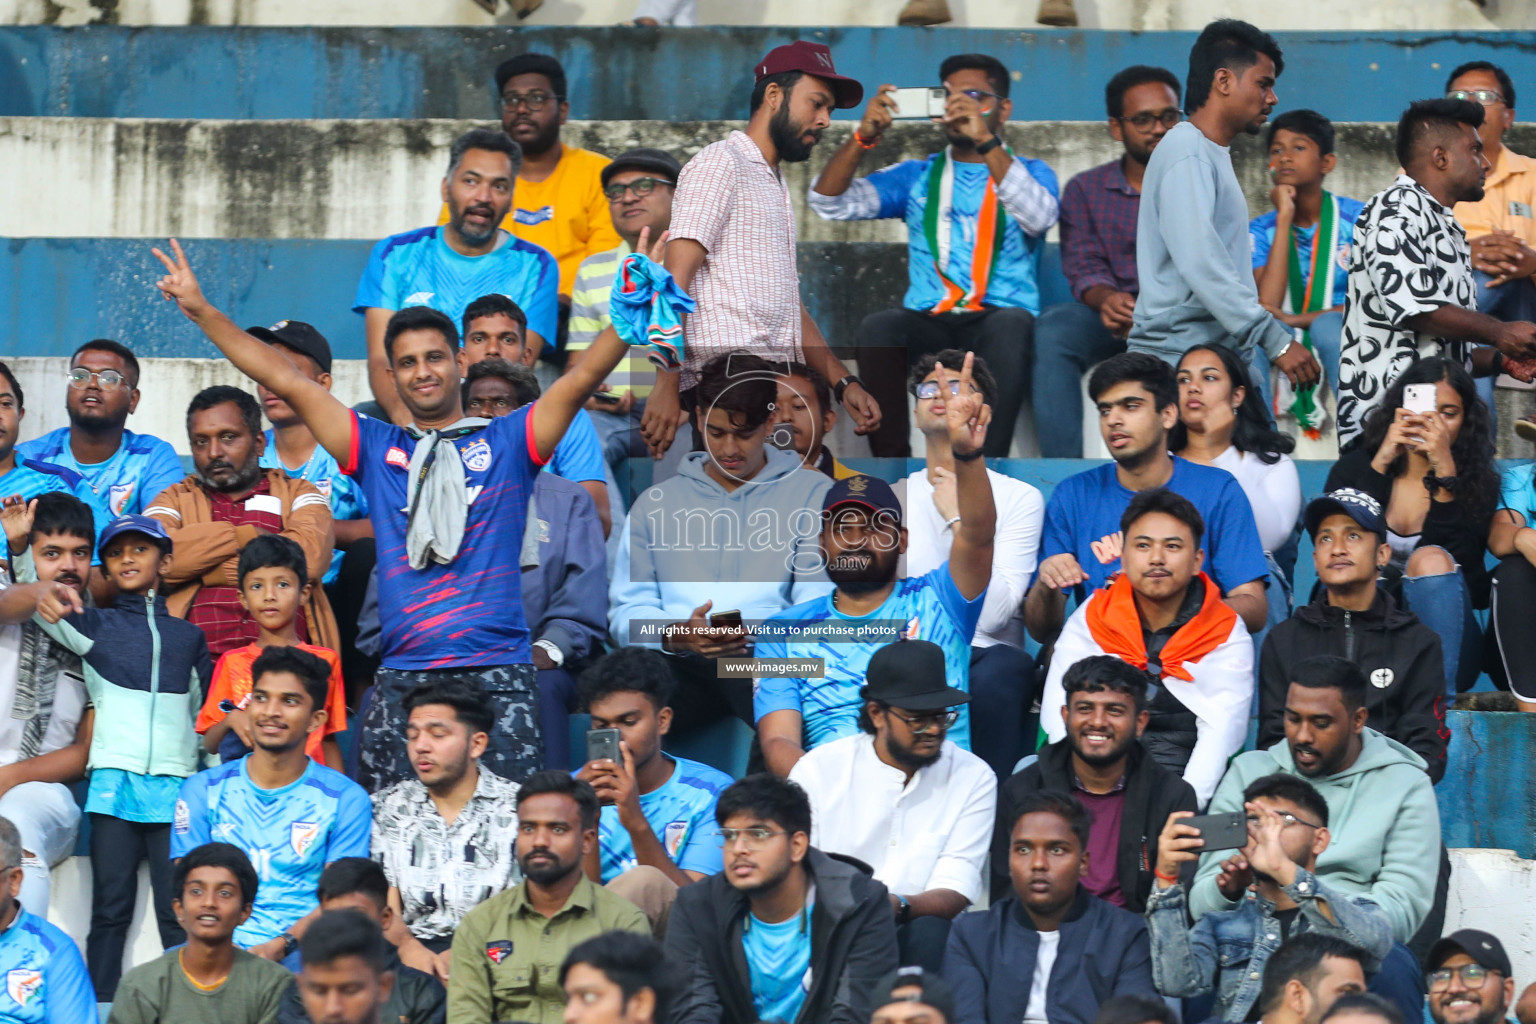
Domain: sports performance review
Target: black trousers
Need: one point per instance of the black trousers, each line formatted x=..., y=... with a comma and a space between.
x=117, y=847
x=891, y=341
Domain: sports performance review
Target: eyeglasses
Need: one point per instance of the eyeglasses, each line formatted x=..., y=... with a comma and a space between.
x=1483, y=96
x=1144, y=120
x=1285, y=816
x=753, y=838
x=929, y=389
x=109, y=380
x=932, y=722
x=534, y=101
x=1472, y=976
x=641, y=187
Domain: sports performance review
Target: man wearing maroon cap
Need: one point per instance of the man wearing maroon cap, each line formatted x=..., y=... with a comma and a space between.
x=733, y=241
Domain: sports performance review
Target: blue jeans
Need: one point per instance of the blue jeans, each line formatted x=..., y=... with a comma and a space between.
x=46, y=815
x=1443, y=603
x=1069, y=338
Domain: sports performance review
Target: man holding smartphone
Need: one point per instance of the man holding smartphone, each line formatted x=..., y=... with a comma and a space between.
x=981, y=298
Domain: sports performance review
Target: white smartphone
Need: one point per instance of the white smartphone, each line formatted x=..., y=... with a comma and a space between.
x=919, y=104
x=1419, y=398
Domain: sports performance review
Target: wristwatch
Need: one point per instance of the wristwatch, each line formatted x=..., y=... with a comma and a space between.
x=843, y=385
x=289, y=944
x=903, y=909
x=989, y=145
x=550, y=648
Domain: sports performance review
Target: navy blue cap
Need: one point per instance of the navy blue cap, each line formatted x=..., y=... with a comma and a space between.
x=135, y=524
x=869, y=491
x=1346, y=501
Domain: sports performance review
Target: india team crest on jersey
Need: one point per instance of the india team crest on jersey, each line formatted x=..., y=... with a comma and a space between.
x=118, y=497
x=477, y=457
x=23, y=984
x=913, y=629
x=301, y=834
x=672, y=837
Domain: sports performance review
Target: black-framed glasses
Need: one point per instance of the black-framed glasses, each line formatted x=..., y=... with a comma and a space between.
x=1147, y=118
x=931, y=722
x=1483, y=96
x=109, y=380
x=1285, y=816
x=754, y=838
x=929, y=389
x=641, y=187
x=534, y=101
x=1472, y=976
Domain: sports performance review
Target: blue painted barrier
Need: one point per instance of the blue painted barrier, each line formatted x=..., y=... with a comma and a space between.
x=1488, y=796
x=670, y=74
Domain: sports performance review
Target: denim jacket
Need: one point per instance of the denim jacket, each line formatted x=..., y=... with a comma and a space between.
x=1227, y=950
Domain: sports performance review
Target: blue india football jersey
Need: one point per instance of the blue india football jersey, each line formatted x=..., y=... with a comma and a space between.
x=45, y=977
x=418, y=268
x=468, y=613
x=681, y=813
x=345, y=496
x=31, y=477
x=125, y=484
x=928, y=607
x=778, y=958
x=290, y=834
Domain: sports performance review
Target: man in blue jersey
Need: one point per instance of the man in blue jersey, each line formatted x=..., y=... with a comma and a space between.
x=862, y=540
x=20, y=476
x=1138, y=402
x=981, y=298
x=655, y=833
x=449, y=567
x=121, y=471
x=447, y=267
x=289, y=813
x=45, y=977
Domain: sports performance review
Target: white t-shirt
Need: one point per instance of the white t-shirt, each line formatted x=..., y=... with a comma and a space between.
x=69, y=701
x=1274, y=491
x=1034, y=1012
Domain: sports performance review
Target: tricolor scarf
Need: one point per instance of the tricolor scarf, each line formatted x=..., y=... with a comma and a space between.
x=937, y=228
x=1116, y=628
x=1310, y=296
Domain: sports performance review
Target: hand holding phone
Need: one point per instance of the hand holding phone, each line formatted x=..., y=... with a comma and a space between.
x=1419, y=398
x=920, y=104
x=603, y=745
x=1220, y=831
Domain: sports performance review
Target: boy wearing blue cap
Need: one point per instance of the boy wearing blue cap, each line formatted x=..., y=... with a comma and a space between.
x=146, y=672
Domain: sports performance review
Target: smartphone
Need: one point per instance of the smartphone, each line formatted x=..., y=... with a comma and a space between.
x=1221, y=831
x=726, y=620
x=1419, y=398
x=919, y=104
x=608, y=397
x=603, y=744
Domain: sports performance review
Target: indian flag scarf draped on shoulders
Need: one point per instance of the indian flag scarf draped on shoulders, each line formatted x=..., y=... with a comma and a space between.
x=1311, y=295
x=1116, y=628
x=937, y=228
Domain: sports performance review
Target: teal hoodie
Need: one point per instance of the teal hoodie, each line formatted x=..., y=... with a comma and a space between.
x=1383, y=822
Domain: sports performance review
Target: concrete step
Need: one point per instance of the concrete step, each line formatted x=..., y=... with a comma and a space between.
x=688, y=74
x=107, y=177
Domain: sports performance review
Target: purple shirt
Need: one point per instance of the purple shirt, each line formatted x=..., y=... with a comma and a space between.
x=1098, y=230
x=1103, y=875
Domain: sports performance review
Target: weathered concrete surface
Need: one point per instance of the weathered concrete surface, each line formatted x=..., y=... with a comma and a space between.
x=1488, y=796
x=91, y=177
x=680, y=74
x=1495, y=891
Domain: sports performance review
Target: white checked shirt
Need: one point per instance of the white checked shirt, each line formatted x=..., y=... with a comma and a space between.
x=931, y=832
x=733, y=204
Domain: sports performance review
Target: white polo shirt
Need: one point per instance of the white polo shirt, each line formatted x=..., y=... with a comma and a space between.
x=931, y=832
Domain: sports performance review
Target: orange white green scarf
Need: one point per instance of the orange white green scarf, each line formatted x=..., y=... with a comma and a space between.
x=937, y=228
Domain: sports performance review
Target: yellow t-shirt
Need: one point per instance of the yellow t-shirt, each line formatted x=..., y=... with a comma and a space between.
x=1508, y=198
x=566, y=214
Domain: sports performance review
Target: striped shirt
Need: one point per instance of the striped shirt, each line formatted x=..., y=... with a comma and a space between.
x=589, y=318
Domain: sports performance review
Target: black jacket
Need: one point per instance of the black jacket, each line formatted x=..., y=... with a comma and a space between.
x=1399, y=655
x=853, y=943
x=418, y=998
x=1151, y=794
x=1448, y=523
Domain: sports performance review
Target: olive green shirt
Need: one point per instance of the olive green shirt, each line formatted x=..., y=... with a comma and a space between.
x=507, y=956
x=159, y=993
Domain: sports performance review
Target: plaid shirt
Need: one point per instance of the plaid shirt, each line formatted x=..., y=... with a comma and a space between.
x=733, y=204
x=1098, y=230
x=216, y=609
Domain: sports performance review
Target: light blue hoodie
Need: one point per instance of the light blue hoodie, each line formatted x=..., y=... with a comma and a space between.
x=688, y=540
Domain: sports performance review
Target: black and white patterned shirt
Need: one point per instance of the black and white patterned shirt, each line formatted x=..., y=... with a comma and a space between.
x=1409, y=257
x=443, y=870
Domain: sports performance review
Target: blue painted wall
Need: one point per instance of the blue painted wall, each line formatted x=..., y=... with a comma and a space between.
x=675, y=74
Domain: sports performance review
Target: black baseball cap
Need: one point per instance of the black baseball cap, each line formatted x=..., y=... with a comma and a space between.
x=868, y=491
x=1359, y=506
x=932, y=990
x=911, y=674
x=1483, y=948
x=299, y=336
x=642, y=158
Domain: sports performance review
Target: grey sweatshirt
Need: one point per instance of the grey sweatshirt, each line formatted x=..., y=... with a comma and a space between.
x=1194, y=257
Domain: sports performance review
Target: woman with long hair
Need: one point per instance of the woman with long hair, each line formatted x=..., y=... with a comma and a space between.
x=1434, y=477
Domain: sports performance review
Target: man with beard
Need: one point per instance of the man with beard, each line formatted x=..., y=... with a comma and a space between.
x=733, y=241
x=508, y=950
x=227, y=502
x=1103, y=765
x=1164, y=615
x=450, y=265
x=289, y=813
x=121, y=470
x=20, y=477
x=1051, y=950
x=1193, y=254
x=1470, y=979
x=1226, y=951
x=904, y=800
x=1098, y=256
x=980, y=296
x=1306, y=976
x=862, y=541
x=786, y=932
x=1383, y=816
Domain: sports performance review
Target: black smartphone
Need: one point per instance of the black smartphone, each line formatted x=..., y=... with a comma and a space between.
x=603, y=744
x=1221, y=831
x=608, y=396
x=726, y=620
